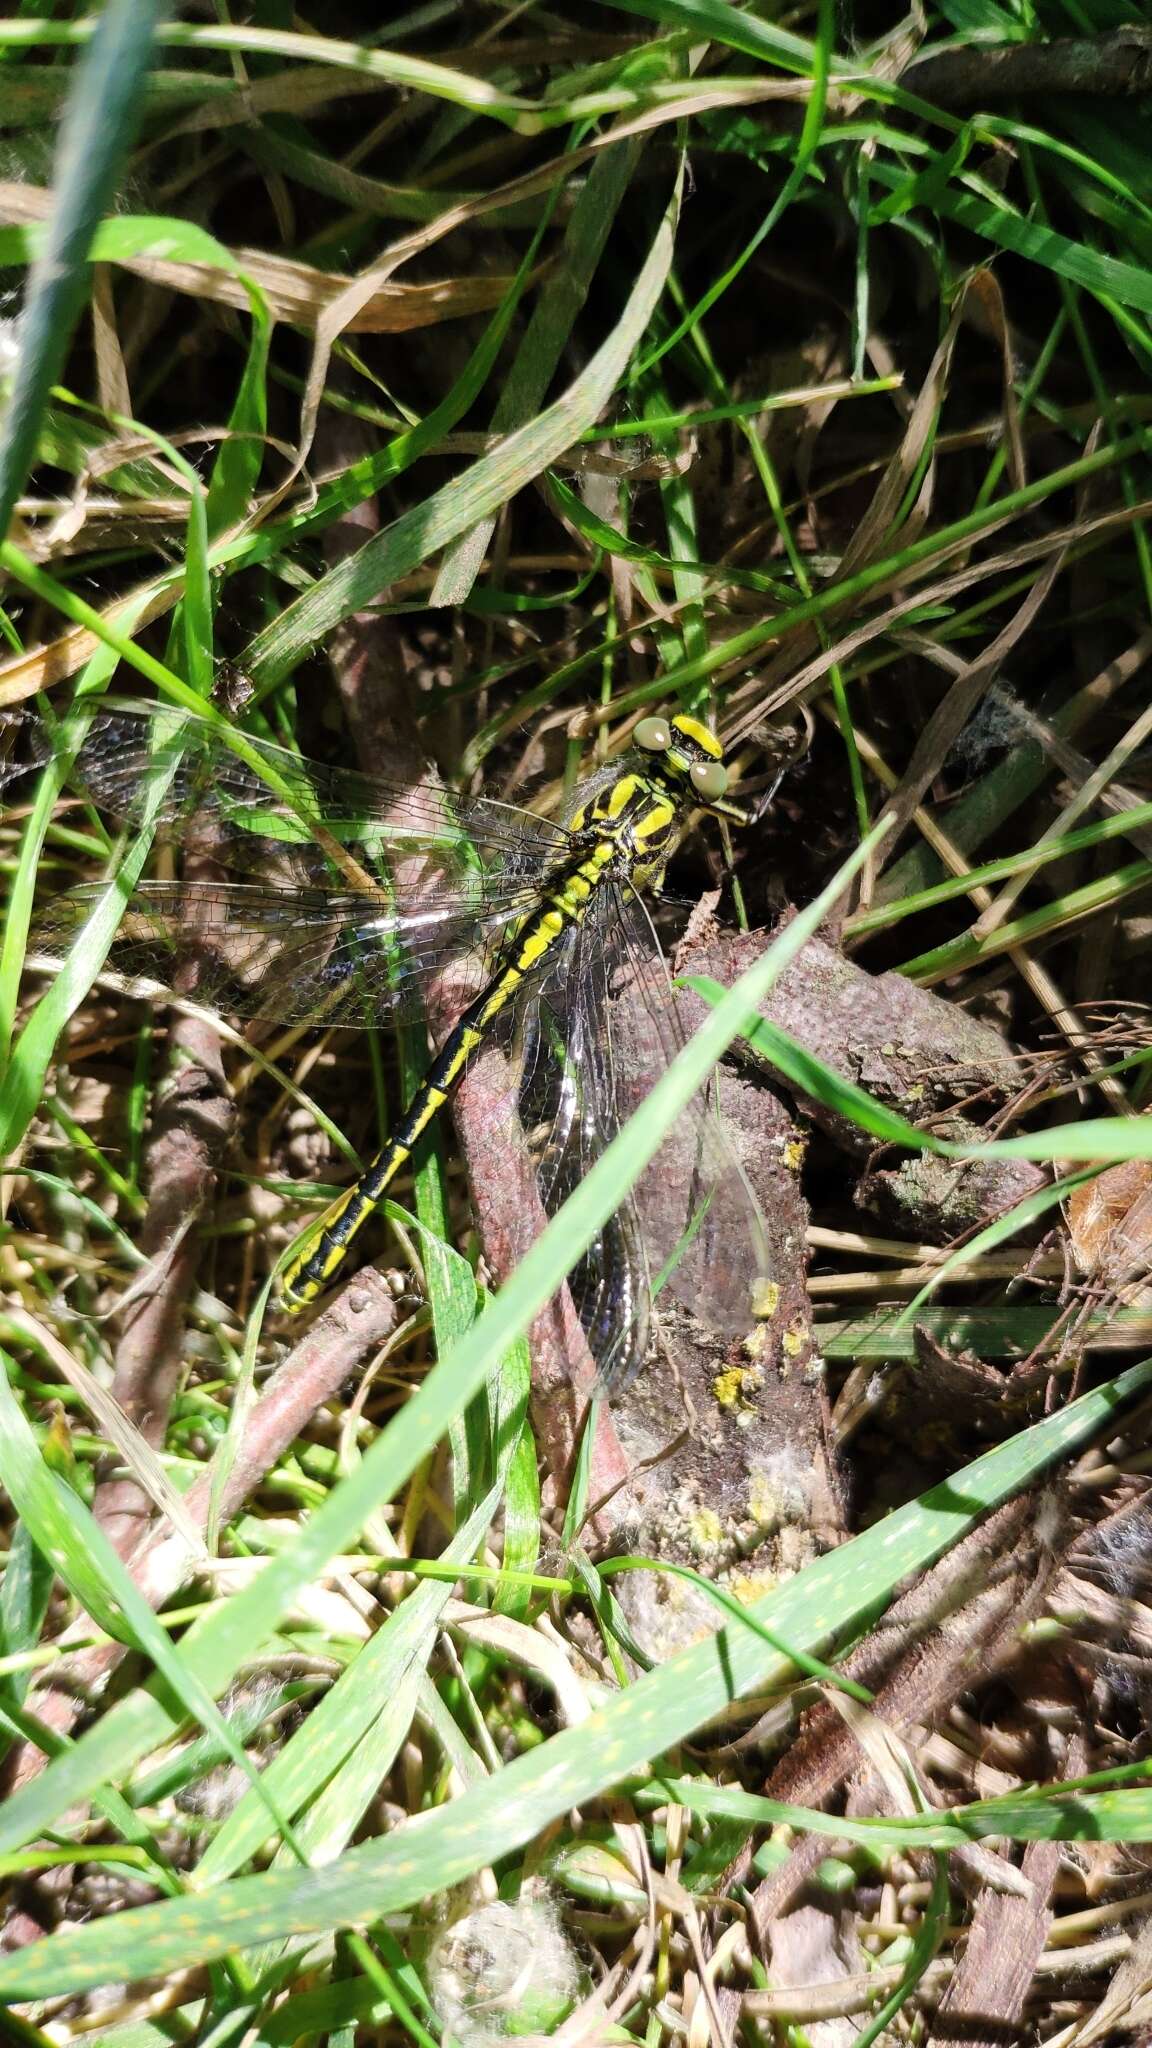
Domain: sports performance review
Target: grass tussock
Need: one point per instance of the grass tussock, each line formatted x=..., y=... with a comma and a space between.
x=440, y=397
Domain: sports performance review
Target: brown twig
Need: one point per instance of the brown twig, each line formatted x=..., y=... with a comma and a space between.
x=337, y=1345
x=983, y=2006
x=1118, y=66
x=368, y=667
x=194, y=1123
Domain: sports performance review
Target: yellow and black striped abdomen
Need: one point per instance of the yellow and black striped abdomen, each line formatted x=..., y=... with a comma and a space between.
x=321, y=1257
x=522, y=960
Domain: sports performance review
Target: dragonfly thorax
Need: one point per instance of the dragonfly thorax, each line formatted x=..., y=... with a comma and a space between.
x=629, y=826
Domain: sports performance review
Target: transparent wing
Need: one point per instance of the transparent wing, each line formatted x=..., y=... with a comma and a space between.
x=568, y=1107
x=604, y=1028
x=703, y=1230
x=361, y=890
x=177, y=774
x=290, y=955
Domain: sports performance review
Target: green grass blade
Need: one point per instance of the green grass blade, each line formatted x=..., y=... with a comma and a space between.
x=716, y=22
x=545, y=338
x=445, y=1847
x=96, y=134
x=33, y=1051
x=1013, y=1331
x=488, y=485
x=1108, y=277
x=894, y=911
x=1048, y=1813
x=64, y=1531
x=366, y=1713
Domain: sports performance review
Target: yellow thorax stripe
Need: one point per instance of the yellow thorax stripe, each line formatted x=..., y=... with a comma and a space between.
x=620, y=795
x=693, y=730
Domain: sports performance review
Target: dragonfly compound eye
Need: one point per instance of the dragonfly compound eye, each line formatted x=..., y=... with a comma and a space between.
x=709, y=779
x=654, y=735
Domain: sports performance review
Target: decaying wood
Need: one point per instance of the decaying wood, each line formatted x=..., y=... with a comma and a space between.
x=729, y=1448
x=912, y=1050
x=1114, y=66
x=915, y=1052
x=939, y=1200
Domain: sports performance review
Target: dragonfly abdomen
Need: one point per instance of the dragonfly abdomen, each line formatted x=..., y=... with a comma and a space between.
x=524, y=958
x=316, y=1266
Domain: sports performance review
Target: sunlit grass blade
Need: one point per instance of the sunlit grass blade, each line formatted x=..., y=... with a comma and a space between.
x=491, y=481
x=446, y=1847
x=96, y=134
x=545, y=338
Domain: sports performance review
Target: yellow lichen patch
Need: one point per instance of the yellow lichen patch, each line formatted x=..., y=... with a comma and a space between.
x=706, y=1530
x=794, y=1341
x=727, y=1386
x=794, y=1152
x=738, y=1386
x=765, y=1297
x=748, y=1587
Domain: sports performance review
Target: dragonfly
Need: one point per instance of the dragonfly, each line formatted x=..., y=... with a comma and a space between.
x=345, y=899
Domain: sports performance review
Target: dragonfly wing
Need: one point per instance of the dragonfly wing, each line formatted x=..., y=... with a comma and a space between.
x=178, y=773
x=568, y=1106
x=604, y=1028
x=360, y=890
x=704, y=1235
x=289, y=955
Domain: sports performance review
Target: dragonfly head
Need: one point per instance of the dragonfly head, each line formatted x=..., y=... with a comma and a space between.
x=688, y=757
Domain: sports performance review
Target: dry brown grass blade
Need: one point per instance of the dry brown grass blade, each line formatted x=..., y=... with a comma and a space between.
x=111, y=373
x=43, y=667
x=987, y=310
x=1091, y=788
x=304, y=89
x=295, y=292
x=1110, y=1226
x=1125, y=2011
x=952, y=714
x=1037, y=977
x=780, y=685
x=877, y=528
